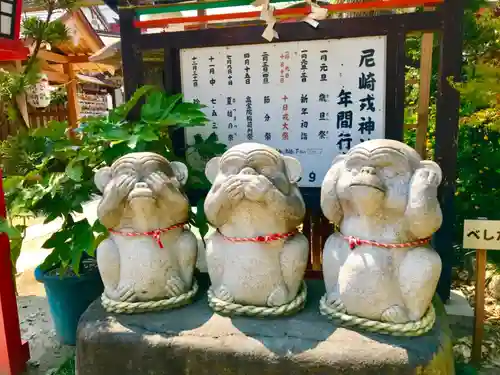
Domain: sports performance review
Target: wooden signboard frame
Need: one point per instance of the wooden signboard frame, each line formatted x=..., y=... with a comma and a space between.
x=445, y=20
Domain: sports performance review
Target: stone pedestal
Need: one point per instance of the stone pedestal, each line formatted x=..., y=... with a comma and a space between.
x=193, y=340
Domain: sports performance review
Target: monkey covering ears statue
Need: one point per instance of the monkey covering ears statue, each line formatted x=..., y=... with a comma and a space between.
x=149, y=255
x=384, y=199
x=256, y=257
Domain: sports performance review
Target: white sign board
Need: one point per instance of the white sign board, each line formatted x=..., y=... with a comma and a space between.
x=482, y=234
x=312, y=100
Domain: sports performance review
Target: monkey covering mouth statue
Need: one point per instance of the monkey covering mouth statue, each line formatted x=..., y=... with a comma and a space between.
x=384, y=199
x=256, y=256
x=149, y=255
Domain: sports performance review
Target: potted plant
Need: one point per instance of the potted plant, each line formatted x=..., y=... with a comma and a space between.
x=61, y=181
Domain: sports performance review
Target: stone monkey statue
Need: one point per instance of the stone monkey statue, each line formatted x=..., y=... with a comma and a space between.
x=149, y=255
x=254, y=195
x=381, y=191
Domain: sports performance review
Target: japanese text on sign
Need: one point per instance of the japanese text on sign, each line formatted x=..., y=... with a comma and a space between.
x=482, y=234
x=312, y=100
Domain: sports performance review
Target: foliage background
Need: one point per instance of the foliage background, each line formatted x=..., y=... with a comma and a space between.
x=478, y=184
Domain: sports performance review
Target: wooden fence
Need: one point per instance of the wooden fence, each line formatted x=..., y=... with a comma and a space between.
x=39, y=118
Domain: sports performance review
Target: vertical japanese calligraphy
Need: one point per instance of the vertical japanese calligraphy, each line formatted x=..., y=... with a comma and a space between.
x=249, y=114
x=323, y=68
x=285, y=68
x=194, y=75
x=265, y=68
x=366, y=83
x=229, y=70
x=303, y=65
x=285, y=118
x=311, y=100
x=248, y=79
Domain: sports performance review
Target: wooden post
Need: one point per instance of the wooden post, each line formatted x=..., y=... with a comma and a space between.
x=71, y=88
x=424, y=94
x=479, y=306
x=447, y=107
x=13, y=352
x=133, y=68
x=395, y=89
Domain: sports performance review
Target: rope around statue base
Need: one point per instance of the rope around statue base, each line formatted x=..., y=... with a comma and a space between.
x=149, y=306
x=409, y=329
x=229, y=308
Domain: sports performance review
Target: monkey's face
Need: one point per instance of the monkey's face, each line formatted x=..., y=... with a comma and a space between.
x=138, y=183
x=375, y=180
x=253, y=167
x=143, y=176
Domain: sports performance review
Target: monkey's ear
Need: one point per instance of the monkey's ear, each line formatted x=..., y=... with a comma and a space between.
x=434, y=167
x=180, y=171
x=293, y=169
x=212, y=168
x=102, y=177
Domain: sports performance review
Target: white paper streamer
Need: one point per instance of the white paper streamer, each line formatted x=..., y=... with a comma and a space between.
x=317, y=14
x=267, y=15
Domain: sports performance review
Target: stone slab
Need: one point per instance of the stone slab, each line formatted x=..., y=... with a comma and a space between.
x=193, y=340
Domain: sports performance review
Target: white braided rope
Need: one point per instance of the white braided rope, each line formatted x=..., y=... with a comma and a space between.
x=409, y=329
x=229, y=308
x=149, y=306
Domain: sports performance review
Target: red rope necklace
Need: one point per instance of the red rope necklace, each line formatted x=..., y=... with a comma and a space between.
x=266, y=238
x=155, y=234
x=354, y=242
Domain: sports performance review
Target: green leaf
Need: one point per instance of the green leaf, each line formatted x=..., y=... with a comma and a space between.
x=83, y=236
x=51, y=261
x=121, y=112
x=170, y=103
x=54, y=130
x=76, y=259
x=11, y=231
x=57, y=240
x=152, y=109
x=15, y=251
x=148, y=135
x=132, y=142
x=12, y=182
x=74, y=171
x=98, y=227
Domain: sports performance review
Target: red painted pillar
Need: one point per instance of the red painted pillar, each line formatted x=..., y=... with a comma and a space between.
x=13, y=352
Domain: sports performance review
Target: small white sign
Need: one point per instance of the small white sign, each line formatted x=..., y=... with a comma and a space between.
x=482, y=234
x=311, y=100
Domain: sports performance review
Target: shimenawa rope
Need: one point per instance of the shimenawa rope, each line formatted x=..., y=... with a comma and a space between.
x=230, y=308
x=149, y=306
x=413, y=328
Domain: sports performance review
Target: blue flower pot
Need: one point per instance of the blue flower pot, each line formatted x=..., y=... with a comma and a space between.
x=68, y=299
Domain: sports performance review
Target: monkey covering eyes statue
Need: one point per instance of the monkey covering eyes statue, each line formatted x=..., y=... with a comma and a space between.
x=256, y=257
x=384, y=199
x=149, y=256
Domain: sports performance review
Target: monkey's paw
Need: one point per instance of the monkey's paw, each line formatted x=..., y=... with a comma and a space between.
x=395, y=314
x=278, y=297
x=223, y=294
x=333, y=300
x=175, y=287
x=255, y=191
x=124, y=293
x=427, y=177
